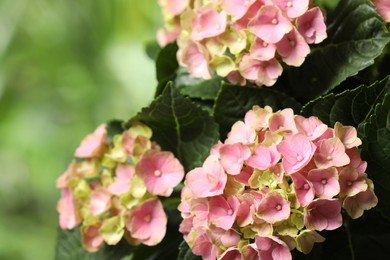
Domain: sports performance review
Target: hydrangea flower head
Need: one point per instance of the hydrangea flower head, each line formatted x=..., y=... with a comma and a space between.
x=241, y=40
x=112, y=188
x=276, y=181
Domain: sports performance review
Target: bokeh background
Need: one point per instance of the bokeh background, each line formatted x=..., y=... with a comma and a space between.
x=65, y=67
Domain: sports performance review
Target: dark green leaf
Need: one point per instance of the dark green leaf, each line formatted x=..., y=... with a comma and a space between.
x=166, y=63
x=185, y=253
x=352, y=107
x=114, y=127
x=197, y=87
x=356, y=36
x=69, y=247
x=152, y=49
x=180, y=126
x=376, y=151
x=234, y=101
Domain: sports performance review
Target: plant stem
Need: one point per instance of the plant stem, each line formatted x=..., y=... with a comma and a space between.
x=346, y=226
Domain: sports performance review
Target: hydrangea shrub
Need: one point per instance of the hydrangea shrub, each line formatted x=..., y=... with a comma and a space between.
x=276, y=181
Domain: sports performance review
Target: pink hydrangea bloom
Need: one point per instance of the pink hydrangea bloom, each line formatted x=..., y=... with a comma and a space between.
x=360, y=202
x=223, y=211
x=352, y=182
x=236, y=9
x=69, y=218
x=383, y=7
x=92, y=145
x=147, y=222
x=241, y=133
x=273, y=208
x=112, y=185
x=203, y=246
x=262, y=72
x=208, y=23
x=293, y=48
x=209, y=180
x=347, y=135
x=258, y=118
x=325, y=182
x=90, y=237
x=173, y=7
x=283, y=121
x=311, y=26
x=297, y=151
x=233, y=156
x=303, y=189
x=312, y=127
x=331, y=152
x=259, y=33
x=246, y=209
x=161, y=172
x=270, y=24
x=271, y=247
x=100, y=201
x=200, y=209
x=261, y=50
x=356, y=162
x=194, y=57
x=124, y=173
x=232, y=253
x=293, y=8
x=269, y=181
x=264, y=157
x=323, y=214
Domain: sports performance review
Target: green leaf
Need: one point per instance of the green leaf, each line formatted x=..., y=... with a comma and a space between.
x=69, y=247
x=166, y=63
x=185, y=253
x=152, y=49
x=166, y=66
x=233, y=102
x=197, y=87
x=356, y=36
x=376, y=151
x=180, y=126
x=114, y=127
x=352, y=107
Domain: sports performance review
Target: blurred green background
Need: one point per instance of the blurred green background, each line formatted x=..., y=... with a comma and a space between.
x=65, y=67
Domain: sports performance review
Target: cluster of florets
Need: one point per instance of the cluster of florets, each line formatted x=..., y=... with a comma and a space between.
x=277, y=180
x=112, y=188
x=383, y=7
x=241, y=39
